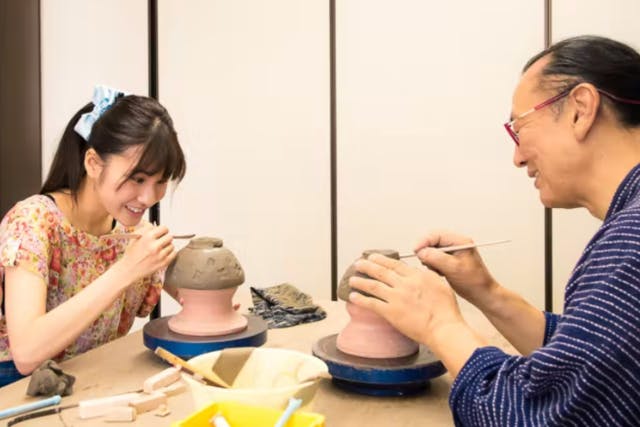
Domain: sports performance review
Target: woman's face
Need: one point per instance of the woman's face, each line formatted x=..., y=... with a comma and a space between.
x=124, y=196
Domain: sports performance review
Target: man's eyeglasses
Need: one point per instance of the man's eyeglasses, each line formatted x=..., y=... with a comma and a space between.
x=514, y=135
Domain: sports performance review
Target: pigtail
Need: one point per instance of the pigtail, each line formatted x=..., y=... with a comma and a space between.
x=67, y=169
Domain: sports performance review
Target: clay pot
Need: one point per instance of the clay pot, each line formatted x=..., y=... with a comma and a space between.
x=368, y=334
x=204, y=264
x=206, y=276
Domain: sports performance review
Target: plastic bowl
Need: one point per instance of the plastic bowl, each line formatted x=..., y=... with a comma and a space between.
x=269, y=377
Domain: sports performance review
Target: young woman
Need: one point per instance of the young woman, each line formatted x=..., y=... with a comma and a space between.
x=69, y=282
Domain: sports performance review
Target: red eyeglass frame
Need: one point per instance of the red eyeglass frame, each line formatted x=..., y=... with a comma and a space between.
x=514, y=135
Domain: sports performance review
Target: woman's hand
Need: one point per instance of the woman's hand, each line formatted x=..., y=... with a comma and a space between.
x=151, y=252
x=414, y=300
x=464, y=270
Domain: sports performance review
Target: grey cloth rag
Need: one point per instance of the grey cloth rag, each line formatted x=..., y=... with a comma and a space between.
x=285, y=305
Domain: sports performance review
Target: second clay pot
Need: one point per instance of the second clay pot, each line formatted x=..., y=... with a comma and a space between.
x=368, y=334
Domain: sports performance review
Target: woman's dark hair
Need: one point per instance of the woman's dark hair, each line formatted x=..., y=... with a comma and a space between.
x=609, y=65
x=131, y=121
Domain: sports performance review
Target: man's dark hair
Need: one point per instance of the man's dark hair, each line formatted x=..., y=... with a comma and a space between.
x=609, y=65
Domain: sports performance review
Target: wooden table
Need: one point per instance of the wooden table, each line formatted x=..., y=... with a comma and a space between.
x=123, y=364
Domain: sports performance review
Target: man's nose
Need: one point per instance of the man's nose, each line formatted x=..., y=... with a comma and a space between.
x=518, y=158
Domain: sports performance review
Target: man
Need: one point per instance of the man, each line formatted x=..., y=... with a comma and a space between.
x=576, y=127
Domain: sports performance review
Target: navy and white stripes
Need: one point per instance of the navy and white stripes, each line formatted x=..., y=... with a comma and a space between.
x=588, y=371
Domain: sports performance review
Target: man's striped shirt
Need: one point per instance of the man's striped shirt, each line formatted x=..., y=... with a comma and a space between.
x=587, y=373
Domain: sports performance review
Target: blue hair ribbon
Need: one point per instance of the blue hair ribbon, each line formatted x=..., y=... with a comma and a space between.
x=103, y=99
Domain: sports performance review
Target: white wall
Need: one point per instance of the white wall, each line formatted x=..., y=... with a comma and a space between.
x=423, y=91
x=572, y=229
x=84, y=43
x=247, y=83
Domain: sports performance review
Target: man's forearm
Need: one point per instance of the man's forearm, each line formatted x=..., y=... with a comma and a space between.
x=521, y=323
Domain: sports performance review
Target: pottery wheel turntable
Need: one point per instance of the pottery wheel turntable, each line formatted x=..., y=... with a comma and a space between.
x=205, y=274
x=400, y=376
x=156, y=333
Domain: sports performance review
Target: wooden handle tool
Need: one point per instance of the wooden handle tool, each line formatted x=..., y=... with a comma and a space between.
x=210, y=377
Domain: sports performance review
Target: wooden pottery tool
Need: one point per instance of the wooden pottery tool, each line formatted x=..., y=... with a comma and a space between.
x=459, y=247
x=211, y=377
x=137, y=236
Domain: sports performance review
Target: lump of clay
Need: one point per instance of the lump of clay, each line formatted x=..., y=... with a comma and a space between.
x=204, y=264
x=343, y=287
x=49, y=379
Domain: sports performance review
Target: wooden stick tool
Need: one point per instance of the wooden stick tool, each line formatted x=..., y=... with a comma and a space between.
x=137, y=236
x=210, y=377
x=460, y=247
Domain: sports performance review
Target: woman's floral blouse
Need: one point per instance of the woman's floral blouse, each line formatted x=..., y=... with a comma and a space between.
x=36, y=236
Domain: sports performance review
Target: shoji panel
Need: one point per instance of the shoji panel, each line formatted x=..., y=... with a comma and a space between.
x=572, y=229
x=85, y=43
x=247, y=82
x=423, y=89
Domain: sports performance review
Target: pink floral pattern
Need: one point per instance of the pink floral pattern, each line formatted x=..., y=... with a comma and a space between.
x=36, y=236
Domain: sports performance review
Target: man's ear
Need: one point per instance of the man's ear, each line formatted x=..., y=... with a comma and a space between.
x=93, y=164
x=586, y=101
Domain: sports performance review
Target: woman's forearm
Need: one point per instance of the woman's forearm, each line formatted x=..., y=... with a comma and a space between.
x=36, y=335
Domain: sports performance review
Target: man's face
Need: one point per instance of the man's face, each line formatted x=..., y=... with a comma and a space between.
x=547, y=145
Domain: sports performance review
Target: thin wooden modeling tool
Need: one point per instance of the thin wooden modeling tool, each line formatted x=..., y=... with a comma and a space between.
x=137, y=236
x=460, y=247
x=210, y=377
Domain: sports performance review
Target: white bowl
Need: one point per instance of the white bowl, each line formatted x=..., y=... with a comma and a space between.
x=269, y=377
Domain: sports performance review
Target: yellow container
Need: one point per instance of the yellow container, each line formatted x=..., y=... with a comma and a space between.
x=243, y=415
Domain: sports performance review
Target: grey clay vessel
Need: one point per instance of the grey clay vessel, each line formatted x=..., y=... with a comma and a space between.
x=204, y=264
x=343, y=287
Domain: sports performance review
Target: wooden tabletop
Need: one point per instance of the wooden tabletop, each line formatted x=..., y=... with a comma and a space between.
x=123, y=365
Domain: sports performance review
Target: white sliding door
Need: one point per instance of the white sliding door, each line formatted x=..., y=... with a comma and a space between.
x=423, y=90
x=247, y=83
x=84, y=43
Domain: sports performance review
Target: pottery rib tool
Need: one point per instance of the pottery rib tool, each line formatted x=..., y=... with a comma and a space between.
x=211, y=377
x=460, y=247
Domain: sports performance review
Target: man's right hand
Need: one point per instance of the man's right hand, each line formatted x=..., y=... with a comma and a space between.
x=464, y=269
